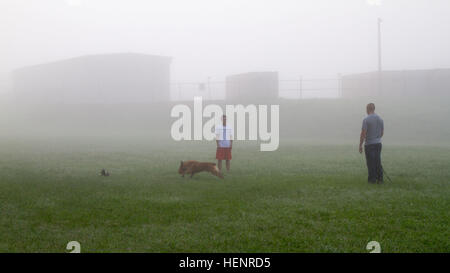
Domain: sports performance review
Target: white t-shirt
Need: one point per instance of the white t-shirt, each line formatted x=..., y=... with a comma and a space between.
x=224, y=134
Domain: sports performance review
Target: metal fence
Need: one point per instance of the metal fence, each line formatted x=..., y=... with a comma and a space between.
x=287, y=88
x=310, y=88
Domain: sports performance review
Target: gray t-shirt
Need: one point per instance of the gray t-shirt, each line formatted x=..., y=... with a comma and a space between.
x=373, y=125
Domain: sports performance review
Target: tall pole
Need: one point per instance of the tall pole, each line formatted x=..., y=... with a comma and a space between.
x=379, y=57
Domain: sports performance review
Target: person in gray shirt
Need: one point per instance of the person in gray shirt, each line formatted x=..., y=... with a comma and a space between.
x=371, y=133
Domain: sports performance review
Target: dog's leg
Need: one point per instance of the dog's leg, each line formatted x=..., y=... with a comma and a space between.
x=219, y=175
x=215, y=171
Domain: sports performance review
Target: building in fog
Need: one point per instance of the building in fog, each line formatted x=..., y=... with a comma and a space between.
x=252, y=86
x=406, y=83
x=106, y=78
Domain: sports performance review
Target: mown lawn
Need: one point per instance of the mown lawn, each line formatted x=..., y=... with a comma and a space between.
x=301, y=198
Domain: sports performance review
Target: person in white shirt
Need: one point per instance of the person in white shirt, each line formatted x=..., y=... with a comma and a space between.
x=224, y=140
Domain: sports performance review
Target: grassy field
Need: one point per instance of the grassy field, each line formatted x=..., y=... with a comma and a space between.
x=301, y=198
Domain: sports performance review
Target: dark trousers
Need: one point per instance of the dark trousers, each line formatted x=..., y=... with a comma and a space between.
x=373, y=160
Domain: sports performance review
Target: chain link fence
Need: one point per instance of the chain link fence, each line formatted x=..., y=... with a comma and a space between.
x=287, y=88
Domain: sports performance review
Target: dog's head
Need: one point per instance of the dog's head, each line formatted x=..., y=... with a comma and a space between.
x=181, y=169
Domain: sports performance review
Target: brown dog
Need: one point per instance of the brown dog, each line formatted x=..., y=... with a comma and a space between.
x=192, y=167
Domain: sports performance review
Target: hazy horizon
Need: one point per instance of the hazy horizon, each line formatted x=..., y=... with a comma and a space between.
x=218, y=38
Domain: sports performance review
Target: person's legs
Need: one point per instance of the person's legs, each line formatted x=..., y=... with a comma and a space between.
x=379, y=168
x=228, y=163
x=219, y=157
x=370, y=160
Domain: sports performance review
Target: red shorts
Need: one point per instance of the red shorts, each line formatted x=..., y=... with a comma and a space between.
x=223, y=153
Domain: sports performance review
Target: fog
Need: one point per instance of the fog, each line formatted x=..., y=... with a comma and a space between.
x=208, y=40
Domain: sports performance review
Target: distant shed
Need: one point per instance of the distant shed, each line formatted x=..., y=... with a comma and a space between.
x=406, y=83
x=252, y=86
x=106, y=78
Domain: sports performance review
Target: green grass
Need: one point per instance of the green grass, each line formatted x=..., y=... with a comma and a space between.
x=301, y=198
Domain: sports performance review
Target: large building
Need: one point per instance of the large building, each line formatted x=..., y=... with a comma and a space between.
x=252, y=86
x=406, y=83
x=106, y=78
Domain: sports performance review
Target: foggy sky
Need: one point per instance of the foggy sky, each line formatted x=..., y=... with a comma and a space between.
x=317, y=38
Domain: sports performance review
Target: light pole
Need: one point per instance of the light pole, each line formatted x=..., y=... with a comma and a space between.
x=379, y=57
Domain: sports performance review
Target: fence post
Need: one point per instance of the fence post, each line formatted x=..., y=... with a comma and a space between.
x=209, y=87
x=404, y=82
x=339, y=85
x=300, y=88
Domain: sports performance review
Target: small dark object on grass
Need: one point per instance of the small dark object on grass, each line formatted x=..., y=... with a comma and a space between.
x=104, y=173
